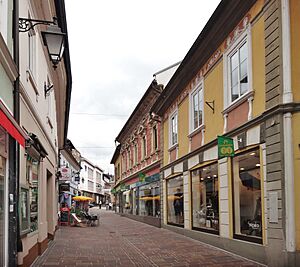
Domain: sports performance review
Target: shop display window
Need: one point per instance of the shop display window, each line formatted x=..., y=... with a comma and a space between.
x=247, y=196
x=205, y=198
x=127, y=201
x=134, y=202
x=149, y=200
x=24, y=210
x=175, y=202
x=32, y=177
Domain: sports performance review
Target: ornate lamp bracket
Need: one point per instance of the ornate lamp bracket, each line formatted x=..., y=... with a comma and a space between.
x=26, y=25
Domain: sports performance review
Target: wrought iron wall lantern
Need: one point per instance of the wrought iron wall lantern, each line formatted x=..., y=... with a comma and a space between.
x=47, y=89
x=53, y=37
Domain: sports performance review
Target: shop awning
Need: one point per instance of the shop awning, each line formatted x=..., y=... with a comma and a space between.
x=82, y=198
x=173, y=175
x=8, y=122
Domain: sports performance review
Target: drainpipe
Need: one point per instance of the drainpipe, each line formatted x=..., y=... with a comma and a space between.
x=287, y=130
x=17, y=117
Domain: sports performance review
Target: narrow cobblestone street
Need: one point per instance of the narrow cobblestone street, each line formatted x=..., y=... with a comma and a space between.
x=119, y=241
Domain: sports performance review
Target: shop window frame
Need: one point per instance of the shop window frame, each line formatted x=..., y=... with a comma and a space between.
x=29, y=182
x=205, y=230
x=252, y=239
x=139, y=196
x=171, y=223
x=25, y=231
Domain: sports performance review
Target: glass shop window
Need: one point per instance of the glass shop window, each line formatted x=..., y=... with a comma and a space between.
x=32, y=176
x=175, y=208
x=149, y=200
x=127, y=201
x=205, y=198
x=247, y=196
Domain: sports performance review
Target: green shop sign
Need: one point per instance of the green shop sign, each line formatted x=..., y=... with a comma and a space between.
x=142, y=177
x=225, y=147
x=113, y=191
x=124, y=187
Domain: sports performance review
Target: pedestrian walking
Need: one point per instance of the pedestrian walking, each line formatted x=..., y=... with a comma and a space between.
x=100, y=204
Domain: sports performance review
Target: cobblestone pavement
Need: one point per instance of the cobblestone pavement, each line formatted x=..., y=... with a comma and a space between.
x=119, y=241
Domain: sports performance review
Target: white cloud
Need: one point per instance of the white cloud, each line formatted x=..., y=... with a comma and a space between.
x=115, y=48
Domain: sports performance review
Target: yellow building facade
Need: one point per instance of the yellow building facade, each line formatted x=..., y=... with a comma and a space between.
x=239, y=80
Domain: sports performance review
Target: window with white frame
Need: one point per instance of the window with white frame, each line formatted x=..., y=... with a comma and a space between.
x=32, y=51
x=129, y=159
x=135, y=153
x=123, y=163
x=144, y=146
x=196, y=100
x=3, y=18
x=154, y=138
x=237, y=68
x=173, y=129
x=90, y=173
x=238, y=62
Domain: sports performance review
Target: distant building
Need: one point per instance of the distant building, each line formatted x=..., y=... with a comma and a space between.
x=91, y=182
x=69, y=173
x=137, y=158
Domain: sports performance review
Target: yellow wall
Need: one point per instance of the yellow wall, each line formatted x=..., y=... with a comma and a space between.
x=296, y=142
x=295, y=53
x=213, y=90
x=183, y=128
x=258, y=63
x=166, y=142
x=256, y=8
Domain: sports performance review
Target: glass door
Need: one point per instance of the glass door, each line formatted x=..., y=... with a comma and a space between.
x=2, y=210
x=3, y=152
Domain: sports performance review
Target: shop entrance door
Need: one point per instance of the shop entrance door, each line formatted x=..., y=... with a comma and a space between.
x=3, y=203
x=50, y=204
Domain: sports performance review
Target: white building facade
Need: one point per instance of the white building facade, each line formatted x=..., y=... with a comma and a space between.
x=44, y=109
x=91, y=181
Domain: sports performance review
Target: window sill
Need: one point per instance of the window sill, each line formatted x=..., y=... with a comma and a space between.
x=238, y=102
x=32, y=81
x=24, y=233
x=173, y=147
x=50, y=122
x=155, y=152
x=194, y=132
x=33, y=233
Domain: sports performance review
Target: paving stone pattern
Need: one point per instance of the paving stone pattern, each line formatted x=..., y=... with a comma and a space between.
x=119, y=241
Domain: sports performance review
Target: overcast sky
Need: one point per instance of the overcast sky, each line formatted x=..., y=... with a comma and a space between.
x=115, y=48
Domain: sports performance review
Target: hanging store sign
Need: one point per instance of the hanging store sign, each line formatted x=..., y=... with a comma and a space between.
x=66, y=174
x=225, y=147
